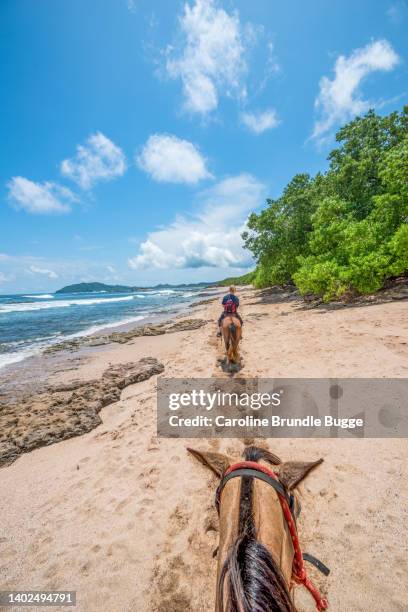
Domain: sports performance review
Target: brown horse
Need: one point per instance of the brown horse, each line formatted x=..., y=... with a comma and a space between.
x=231, y=332
x=257, y=553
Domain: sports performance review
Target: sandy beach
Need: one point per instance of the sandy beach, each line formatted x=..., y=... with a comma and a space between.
x=127, y=519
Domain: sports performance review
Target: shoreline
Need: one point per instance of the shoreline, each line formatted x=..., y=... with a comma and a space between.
x=87, y=336
x=94, y=511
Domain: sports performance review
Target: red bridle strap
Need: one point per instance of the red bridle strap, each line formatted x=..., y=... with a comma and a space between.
x=299, y=573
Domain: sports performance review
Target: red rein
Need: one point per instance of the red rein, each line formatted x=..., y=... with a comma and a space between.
x=299, y=574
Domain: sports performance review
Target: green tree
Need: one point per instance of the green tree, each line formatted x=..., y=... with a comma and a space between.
x=278, y=234
x=354, y=173
x=345, y=230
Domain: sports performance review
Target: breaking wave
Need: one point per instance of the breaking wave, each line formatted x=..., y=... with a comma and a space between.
x=21, y=307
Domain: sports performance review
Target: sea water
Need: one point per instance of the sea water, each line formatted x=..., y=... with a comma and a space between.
x=31, y=322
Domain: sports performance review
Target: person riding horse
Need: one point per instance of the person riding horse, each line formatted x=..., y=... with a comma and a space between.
x=231, y=303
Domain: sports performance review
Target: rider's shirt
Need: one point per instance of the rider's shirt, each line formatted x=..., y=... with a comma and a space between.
x=230, y=296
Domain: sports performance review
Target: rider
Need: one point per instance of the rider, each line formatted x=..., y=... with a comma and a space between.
x=230, y=303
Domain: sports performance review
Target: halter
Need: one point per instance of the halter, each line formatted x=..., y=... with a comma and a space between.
x=299, y=575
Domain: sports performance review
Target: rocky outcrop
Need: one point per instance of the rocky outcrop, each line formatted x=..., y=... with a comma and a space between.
x=185, y=325
x=204, y=302
x=394, y=289
x=168, y=327
x=67, y=410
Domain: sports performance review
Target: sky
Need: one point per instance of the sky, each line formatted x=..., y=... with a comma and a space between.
x=137, y=135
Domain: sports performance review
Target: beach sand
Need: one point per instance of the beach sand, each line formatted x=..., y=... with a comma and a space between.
x=127, y=520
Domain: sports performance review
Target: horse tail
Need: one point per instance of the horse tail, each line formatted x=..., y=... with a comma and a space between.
x=232, y=346
x=233, y=343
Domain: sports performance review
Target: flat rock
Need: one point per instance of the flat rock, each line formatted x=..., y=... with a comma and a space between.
x=185, y=325
x=66, y=410
x=204, y=302
x=158, y=329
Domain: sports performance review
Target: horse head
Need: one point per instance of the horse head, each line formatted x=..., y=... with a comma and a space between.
x=259, y=556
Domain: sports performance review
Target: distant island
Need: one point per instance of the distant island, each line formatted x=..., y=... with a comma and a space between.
x=103, y=288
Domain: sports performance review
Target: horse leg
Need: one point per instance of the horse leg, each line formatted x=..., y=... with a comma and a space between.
x=238, y=338
x=227, y=341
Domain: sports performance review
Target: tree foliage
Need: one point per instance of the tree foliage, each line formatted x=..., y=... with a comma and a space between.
x=345, y=230
x=245, y=279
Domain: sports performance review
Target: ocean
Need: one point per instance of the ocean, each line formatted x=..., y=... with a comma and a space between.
x=29, y=323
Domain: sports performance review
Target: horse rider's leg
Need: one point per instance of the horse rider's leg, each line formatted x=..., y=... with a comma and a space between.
x=219, y=333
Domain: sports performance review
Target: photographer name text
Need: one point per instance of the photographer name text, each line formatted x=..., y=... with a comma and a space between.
x=250, y=421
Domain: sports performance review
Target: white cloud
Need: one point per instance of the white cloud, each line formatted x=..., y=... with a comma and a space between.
x=45, y=271
x=261, y=121
x=131, y=5
x=39, y=198
x=111, y=269
x=397, y=12
x=99, y=159
x=339, y=98
x=32, y=273
x=211, y=238
x=210, y=61
x=173, y=160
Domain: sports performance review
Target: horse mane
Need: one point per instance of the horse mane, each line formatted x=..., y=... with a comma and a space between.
x=254, y=580
x=254, y=453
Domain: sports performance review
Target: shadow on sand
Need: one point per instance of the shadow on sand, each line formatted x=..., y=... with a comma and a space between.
x=231, y=368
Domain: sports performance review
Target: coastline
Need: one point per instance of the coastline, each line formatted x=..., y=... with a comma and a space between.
x=36, y=347
x=84, y=343
x=127, y=519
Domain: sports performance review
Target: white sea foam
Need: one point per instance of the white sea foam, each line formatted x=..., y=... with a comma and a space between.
x=10, y=358
x=95, y=328
x=162, y=292
x=45, y=296
x=16, y=356
x=21, y=307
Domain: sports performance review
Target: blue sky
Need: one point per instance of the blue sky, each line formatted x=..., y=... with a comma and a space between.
x=137, y=135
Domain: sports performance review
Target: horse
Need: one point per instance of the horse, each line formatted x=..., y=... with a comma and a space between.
x=231, y=332
x=259, y=557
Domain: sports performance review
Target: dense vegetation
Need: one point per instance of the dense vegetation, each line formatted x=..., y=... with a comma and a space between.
x=343, y=232
x=245, y=279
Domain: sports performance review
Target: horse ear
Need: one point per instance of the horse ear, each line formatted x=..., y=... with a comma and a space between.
x=217, y=462
x=293, y=472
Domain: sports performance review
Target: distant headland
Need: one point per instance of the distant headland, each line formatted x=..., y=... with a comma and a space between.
x=103, y=288
x=245, y=279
